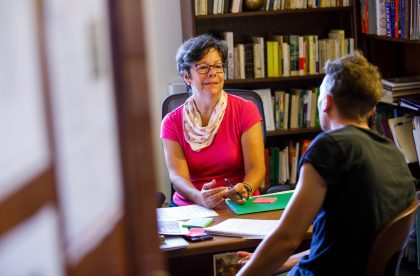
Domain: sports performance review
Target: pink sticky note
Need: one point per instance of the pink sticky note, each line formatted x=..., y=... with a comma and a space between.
x=196, y=232
x=264, y=200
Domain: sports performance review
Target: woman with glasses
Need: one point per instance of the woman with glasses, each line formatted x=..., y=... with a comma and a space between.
x=214, y=139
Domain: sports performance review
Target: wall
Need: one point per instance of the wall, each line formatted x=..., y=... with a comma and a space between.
x=164, y=35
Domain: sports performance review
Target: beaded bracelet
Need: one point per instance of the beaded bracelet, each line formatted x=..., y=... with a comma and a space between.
x=248, y=188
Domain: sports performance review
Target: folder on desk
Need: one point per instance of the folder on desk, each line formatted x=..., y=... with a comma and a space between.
x=282, y=198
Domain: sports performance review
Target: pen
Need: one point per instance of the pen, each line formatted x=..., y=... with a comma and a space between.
x=231, y=185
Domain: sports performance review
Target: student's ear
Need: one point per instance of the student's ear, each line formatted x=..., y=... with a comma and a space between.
x=372, y=111
x=187, y=78
x=327, y=104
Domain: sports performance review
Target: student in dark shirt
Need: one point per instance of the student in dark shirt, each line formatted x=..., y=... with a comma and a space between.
x=352, y=181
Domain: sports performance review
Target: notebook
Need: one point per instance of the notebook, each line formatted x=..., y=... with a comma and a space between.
x=282, y=198
x=245, y=228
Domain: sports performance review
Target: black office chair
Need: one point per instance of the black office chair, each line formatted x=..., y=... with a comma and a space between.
x=173, y=101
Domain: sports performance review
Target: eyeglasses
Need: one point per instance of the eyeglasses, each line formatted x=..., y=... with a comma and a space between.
x=204, y=68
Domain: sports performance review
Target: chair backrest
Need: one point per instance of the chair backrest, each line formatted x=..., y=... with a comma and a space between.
x=173, y=101
x=386, y=252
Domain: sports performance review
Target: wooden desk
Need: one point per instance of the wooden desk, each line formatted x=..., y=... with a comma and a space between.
x=197, y=258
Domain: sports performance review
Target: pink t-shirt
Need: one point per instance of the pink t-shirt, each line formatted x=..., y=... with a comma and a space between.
x=223, y=158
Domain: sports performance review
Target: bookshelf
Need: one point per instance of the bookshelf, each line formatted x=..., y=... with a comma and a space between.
x=396, y=55
x=246, y=25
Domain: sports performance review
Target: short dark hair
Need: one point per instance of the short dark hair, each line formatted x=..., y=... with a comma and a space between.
x=195, y=48
x=355, y=85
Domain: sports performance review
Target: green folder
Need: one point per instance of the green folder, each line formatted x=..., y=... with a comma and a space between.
x=249, y=207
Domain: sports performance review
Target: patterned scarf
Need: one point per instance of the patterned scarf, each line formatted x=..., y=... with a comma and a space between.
x=197, y=136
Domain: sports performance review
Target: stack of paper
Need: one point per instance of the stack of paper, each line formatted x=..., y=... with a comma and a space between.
x=185, y=212
x=245, y=228
x=171, y=243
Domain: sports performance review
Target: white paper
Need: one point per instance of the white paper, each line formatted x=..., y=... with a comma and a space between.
x=265, y=95
x=402, y=132
x=168, y=227
x=23, y=140
x=185, y=212
x=84, y=121
x=172, y=243
x=247, y=228
x=33, y=247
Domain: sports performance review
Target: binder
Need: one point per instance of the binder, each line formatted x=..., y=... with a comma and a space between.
x=249, y=207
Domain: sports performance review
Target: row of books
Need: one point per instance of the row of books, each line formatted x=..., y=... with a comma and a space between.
x=393, y=18
x=283, y=55
x=282, y=163
x=206, y=7
x=395, y=88
x=296, y=108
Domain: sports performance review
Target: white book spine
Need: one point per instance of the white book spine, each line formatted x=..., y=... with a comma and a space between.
x=241, y=61
x=286, y=59
x=380, y=17
x=228, y=37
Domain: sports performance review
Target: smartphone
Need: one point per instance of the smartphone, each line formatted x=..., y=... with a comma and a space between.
x=196, y=238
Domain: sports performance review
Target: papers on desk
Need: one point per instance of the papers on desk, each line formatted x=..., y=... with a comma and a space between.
x=171, y=243
x=171, y=228
x=184, y=212
x=245, y=228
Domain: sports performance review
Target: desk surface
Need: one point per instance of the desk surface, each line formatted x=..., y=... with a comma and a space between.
x=220, y=243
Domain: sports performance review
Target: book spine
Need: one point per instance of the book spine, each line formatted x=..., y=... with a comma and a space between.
x=301, y=59
x=390, y=17
x=286, y=59
x=249, y=61
x=228, y=37
x=294, y=55
x=241, y=61
x=270, y=59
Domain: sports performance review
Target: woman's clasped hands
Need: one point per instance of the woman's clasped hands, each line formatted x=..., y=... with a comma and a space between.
x=211, y=197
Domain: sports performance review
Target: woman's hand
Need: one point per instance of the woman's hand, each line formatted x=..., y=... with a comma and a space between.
x=210, y=198
x=233, y=193
x=244, y=257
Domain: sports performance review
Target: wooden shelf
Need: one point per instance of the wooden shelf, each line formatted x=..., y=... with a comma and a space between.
x=292, y=131
x=271, y=13
x=391, y=39
x=276, y=79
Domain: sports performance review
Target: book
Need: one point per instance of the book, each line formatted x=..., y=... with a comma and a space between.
x=197, y=222
x=249, y=61
x=166, y=227
x=413, y=81
x=228, y=37
x=265, y=95
x=244, y=228
x=248, y=207
x=259, y=60
x=411, y=103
